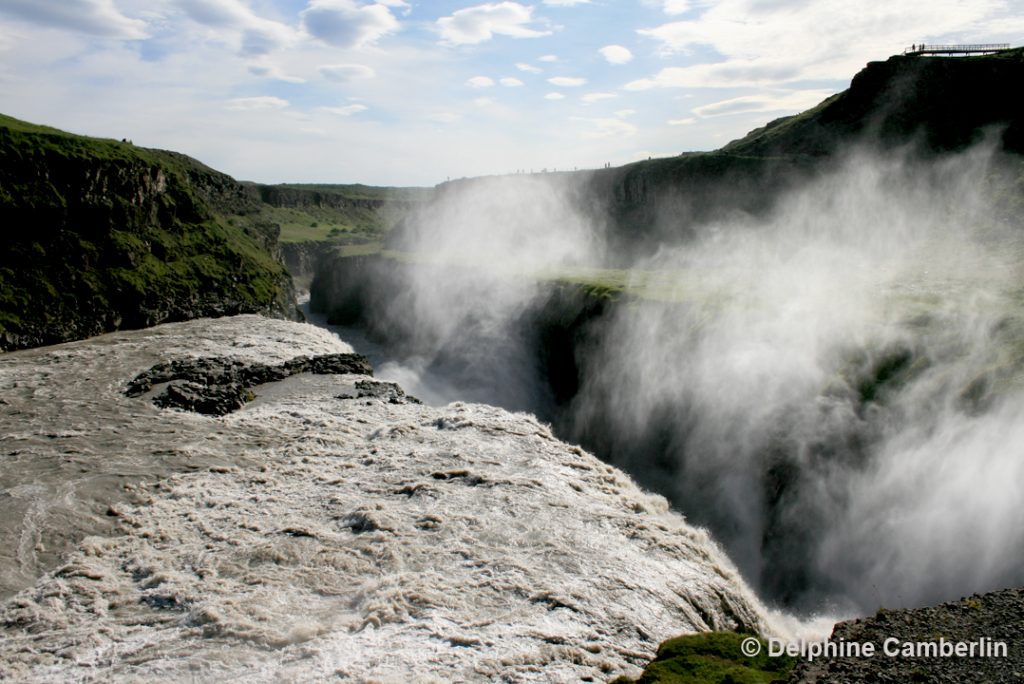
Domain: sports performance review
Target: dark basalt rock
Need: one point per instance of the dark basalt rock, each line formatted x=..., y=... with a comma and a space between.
x=385, y=391
x=217, y=386
x=986, y=620
x=211, y=400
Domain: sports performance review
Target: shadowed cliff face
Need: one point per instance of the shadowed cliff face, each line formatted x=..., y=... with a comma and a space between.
x=99, y=235
x=943, y=104
x=816, y=383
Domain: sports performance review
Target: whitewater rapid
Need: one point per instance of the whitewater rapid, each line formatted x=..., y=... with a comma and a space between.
x=321, y=534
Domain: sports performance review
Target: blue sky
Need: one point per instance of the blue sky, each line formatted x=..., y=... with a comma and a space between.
x=400, y=92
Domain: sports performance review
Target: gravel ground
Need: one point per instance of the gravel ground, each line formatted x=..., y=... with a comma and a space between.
x=986, y=620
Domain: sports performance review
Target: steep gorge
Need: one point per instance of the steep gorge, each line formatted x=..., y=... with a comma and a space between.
x=783, y=340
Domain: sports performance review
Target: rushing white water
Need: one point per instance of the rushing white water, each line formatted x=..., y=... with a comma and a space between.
x=315, y=534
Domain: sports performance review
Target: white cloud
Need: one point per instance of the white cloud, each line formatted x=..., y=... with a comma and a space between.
x=567, y=81
x=623, y=113
x=345, y=24
x=95, y=17
x=347, y=110
x=528, y=68
x=256, y=103
x=676, y=6
x=730, y=74
x=480, y=82
x=566, y=3
x=345, y=73
x=547, y=58
x=616, y=54
x=481, y=23
x=682, y=122
x=510, y=82
x=554, y=96
x=597, y=97
x=784, y=41
x=256, y=35
x=606, y=128
x=218, y=13
x=794, y=101
x=483, y=101
x=268, y=71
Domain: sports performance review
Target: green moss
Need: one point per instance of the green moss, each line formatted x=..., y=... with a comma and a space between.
x=713, y=658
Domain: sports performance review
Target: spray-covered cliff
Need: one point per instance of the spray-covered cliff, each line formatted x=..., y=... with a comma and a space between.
x=99, y=235
x=814, y=370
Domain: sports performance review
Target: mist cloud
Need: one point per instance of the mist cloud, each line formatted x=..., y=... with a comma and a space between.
x=832, y=387
x=821, y=387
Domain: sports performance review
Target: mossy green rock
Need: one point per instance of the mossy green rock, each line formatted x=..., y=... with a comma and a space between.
x=712, y=658
x=97, y=235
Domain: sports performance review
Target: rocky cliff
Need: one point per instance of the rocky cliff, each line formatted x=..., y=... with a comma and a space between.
x=99, y=235
x=926, y=106
x=344, y=197
x=304, y=259
x=938, y=104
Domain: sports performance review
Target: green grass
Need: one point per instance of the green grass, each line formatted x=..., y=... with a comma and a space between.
x=361, y=249
x=778, y=130
x=712, y=658
x=326, y=224
x=337, y=213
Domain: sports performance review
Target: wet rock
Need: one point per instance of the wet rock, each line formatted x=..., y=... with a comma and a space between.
x=385, y=391
x=217, y=386
x=990, y=623
x=212, y=400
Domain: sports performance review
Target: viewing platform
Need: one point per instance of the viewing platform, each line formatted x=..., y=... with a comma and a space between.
x=980, y=49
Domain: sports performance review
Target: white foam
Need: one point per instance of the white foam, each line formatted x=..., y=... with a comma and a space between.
x=323, y=537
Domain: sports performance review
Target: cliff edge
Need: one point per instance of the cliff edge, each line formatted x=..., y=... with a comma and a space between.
x=99, y=235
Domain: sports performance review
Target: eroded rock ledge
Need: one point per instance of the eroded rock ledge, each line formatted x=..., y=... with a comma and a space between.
x=217, y=386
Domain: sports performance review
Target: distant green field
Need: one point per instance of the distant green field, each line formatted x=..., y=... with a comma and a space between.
x=354, y=221
x=321, y=223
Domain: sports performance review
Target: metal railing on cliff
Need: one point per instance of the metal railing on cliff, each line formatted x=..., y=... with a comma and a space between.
x=977, y=49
